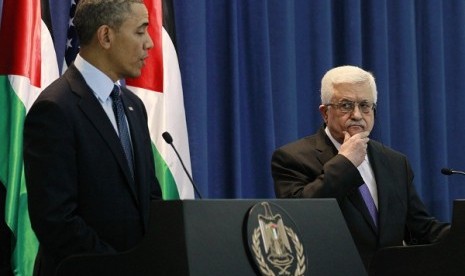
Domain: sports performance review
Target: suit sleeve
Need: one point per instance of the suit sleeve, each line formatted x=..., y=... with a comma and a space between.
x=51, y=180
x=303, y=176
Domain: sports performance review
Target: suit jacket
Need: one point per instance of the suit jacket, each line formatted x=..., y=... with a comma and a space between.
x=82, y=197
x=312, y=168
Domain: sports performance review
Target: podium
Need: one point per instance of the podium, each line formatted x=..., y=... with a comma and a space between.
x=446, y=257
x=208, y=237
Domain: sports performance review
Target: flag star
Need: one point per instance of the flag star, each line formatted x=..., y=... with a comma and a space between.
x=72, y=47
x=69, y=43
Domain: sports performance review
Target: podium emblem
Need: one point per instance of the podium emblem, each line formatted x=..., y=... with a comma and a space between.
x=274, y=242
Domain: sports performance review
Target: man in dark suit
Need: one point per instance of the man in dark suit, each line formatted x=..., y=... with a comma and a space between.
x=89, y=166
x=371, y=182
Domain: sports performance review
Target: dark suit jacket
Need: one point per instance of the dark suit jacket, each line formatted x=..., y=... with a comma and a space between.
x=311, y=168
x=81, y=195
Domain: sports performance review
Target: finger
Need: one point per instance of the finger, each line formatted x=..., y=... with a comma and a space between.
x=362, y=135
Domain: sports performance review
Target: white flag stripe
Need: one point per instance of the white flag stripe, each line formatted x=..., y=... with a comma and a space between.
x=49, y=68
x=166, y=113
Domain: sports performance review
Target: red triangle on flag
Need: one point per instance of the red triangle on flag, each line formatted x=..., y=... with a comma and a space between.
x=20, y=51
x=152, y=73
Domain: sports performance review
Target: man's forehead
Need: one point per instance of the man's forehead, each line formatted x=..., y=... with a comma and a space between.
x=353, y=89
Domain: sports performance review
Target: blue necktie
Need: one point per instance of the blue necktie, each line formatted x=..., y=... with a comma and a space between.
x=122, y=126
x=370, y=203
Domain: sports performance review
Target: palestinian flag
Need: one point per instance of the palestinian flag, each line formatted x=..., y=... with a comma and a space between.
x=160, y=89
x=27, y=65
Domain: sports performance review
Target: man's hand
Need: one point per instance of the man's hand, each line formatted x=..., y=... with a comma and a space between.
x=355, y=147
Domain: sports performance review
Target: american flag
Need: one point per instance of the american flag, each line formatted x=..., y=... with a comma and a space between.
x=72, y=43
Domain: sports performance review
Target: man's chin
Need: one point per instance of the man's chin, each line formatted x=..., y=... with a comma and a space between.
x=134, y=74
x=352, y=130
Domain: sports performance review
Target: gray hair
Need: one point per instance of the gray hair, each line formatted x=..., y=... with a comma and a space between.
x=345, y=74
x=91, y=14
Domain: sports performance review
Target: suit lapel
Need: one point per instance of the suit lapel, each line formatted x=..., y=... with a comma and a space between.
x=139, y=144
x=135, y=128
x=97, y=116
x=133, y=115
x=382, y=175
x=357, y=200
x=359, y=203
x=325, y=147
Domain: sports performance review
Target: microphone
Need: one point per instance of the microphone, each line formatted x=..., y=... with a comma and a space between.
x=168, y=139
x=447, y=171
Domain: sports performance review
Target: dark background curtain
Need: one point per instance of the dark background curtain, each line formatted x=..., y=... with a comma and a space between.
x=251, y=76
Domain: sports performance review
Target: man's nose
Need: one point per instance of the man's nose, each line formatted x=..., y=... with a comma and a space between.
x=356, y=112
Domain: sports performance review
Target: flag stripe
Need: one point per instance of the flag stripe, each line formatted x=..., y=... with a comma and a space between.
x=176, y=119
x=12, y=175
x=28, y=65
x=20, y=40
x=11, y=135
x=166, y=112
x=164, y=175
x=168, y=20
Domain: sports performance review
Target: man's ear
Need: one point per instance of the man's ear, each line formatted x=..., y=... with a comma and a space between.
x=324, y=112
x=104, y=34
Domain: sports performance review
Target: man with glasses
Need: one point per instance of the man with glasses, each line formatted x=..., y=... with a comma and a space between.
x=371, y=182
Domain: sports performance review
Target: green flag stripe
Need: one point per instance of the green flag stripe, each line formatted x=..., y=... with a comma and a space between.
x=12, y=176
x=164, y=176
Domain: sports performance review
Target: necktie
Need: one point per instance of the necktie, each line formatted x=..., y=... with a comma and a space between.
x=122, y=126
x=370, y=203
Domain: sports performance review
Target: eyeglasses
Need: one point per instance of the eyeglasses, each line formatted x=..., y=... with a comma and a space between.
x=349, y=106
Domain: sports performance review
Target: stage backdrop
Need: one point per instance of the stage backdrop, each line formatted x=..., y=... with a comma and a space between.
x=251, y=75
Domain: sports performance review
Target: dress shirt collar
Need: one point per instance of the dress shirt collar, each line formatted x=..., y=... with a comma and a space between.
x=100, y=83
x=335, y=143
